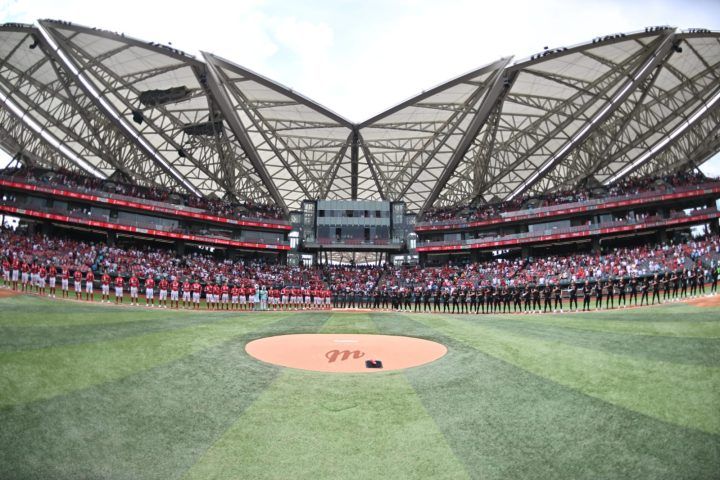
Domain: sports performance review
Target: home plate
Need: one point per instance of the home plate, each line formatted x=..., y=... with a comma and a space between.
x=321, y=352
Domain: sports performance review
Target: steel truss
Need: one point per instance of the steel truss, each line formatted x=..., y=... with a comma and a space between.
x=597, y=112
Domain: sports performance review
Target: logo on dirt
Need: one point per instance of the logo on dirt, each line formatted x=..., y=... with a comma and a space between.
x=341, y=355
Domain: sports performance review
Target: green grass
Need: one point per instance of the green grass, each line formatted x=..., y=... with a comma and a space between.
x=90, y=391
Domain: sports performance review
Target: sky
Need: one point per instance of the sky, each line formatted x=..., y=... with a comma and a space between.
x=360, y=57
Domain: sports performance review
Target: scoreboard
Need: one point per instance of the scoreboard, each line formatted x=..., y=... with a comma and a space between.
x=366, y=223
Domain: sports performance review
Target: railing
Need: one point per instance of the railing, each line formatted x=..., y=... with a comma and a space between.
x=156, y=230
x=573, y=207
x=138, y=203
x=570, y=232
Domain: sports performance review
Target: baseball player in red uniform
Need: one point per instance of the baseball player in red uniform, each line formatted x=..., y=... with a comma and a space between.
x=119, y=289
x=216, y=295
x=105, y=287
x=77, y=277
x=64, y=281
x=15, y=273
x=162, y=296
x=209, y=300
x=41, y=278
x=234, y=296
x=149, y=291
x=225, y=296
x=187, y=293
x=89, y=279
x=52, y=278
x=6, y=271
x=25, y=275
x=175, y=293
x=134, y=287
x=196, y=289
x=34, y=276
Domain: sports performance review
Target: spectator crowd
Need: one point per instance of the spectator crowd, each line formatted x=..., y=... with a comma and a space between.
x=627, y=186
x=76, y=181
x=496, y=284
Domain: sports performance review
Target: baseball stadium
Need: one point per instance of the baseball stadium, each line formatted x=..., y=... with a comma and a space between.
x=208, y=275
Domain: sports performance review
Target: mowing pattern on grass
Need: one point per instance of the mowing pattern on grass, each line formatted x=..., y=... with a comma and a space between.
x=88, y=391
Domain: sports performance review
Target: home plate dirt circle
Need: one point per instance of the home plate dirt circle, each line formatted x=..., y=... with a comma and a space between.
x=345, y=353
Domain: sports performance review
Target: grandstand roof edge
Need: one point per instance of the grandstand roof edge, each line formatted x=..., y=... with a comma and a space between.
x=278, y=87
x=497, y=64
x=155, y=46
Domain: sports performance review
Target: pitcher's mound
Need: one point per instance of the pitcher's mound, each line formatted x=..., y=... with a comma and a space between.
x=345, y=353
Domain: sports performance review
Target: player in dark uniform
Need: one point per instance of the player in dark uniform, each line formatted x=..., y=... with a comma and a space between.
x=527, y=297
x=692, y=280
x=598, y=294
x=655, y=289
x=537, y=307
x=610, y=288
x=644, y=289
x=587, y=292
x=506, y=299
x=573, y=291
x=634, y=290
x=683, y=284
x=621, y=293
x=517, y=298
x=665, y=286
x=547, y=296
x=557, y=293
x=472, y=300
x=675, y=284
x=714, y=274
x=406, y=299
x=701, y=280
x=497, y=299
x=463, y=300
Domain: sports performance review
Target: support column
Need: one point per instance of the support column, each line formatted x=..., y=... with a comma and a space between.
x=111, y=238
x=596, y=244
x=525, y=251
x=180, y=249
x=662, y=236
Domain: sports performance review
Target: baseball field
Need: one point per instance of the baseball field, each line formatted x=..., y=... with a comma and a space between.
x=97, y=391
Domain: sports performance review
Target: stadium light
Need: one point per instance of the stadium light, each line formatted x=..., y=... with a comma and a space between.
x=137, y=117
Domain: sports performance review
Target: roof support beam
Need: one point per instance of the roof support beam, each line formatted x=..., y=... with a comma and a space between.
x=373, y=172
x=32, y=93
x=58, y=44
x=495, y=89
x=603, y=156
x=647, y=67
x=217, y=88
x=703, y=111
x=354, y=164
x=337, y=162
